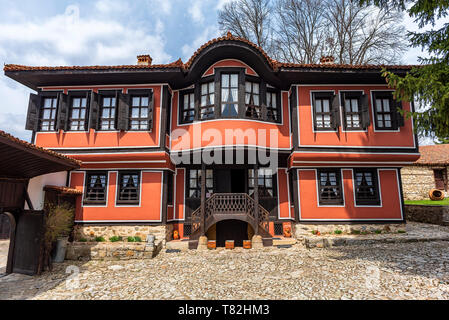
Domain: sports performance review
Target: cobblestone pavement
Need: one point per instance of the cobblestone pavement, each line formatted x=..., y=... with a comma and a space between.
x=417, y=270
x=4, y=247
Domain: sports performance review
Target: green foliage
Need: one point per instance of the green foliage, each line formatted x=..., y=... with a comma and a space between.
x=58, y=222
x=100, y=239
x=115, y=238
x=377, y=231
x=427, y=84
x=131, y=239
x=428, y=202
x=401, y=231
x=338, y=232
x=355, y=231
x=82, y=240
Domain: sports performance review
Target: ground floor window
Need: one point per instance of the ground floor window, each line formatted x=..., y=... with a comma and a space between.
x=366, y=187
x=95, y=188
x=194, y=190
x=129, y=187
x=330, y=187
x=265, y=182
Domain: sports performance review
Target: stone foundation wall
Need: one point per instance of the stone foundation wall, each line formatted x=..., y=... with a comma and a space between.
x=109, y=251
x=417, y=182
x=162, y=233
x=427, y=214
x=301, y=230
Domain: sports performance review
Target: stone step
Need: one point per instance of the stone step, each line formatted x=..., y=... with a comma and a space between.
x=284, y=241
x=177, y=244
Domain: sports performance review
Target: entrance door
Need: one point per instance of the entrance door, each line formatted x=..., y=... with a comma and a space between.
x=230, y=180
x=231, y=230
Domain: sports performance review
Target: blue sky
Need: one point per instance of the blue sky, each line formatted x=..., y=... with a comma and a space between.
x=100, y=32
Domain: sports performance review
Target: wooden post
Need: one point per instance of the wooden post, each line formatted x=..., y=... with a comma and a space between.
x=256, y=198
x=203, y=199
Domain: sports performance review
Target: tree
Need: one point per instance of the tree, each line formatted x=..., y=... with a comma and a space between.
x=428, y=84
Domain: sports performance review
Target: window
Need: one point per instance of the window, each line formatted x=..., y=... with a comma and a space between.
x=108, y=107
x=141, y=113
x=366, y=187
x=78, y=112
x=188, y=108
x=47, y=116
x=170, y=189
x=252, y=101
x=265, y=182
x=383, y=113
x=207, y=105
x=325, y=115
x=329, y=187
x=352, y=111
x=129, y=187
x=272, y=107
x=195, y=183
x=229, y=94
x=95, y=188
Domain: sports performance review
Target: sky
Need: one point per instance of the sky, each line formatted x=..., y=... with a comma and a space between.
x=101, y=32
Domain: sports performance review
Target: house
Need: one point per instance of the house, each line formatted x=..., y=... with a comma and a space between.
x=427, y=173
x=229, y=144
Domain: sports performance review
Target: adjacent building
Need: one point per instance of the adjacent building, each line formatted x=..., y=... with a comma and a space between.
x=229, y=144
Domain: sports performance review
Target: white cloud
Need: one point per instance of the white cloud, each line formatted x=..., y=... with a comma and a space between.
x=112, y=6
x=208, y=33
x=221, y=4
x=195, y=11
x=164, y=5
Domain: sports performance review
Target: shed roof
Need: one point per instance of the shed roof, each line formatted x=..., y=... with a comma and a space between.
x=434, y=155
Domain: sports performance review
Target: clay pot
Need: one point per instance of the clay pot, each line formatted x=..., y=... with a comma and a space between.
x=211, y=244
x=247, y=244
x=175, y=235
x=229, y=244
x=288, y=232
x=435, y=194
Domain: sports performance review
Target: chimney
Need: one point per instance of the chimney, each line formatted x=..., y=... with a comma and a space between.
x=144, y=60
x=327, y=60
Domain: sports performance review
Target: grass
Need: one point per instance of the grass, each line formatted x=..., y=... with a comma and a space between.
x=444, y=202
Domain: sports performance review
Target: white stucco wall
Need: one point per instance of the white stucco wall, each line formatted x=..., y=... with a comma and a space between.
x=37, y=184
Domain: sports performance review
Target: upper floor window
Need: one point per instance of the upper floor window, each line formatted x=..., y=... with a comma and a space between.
x=188, y=107
x=207, y=105
x=272, y=107
x=366, y=187
x=129, y=187
x=325, y=111
x=95, y=188
x=229, y=94
x=194, y=186
x=140, y=112
x=78, y=114
x=252, y=100
x=265, y=182
x=330, y=187
x=386, y=114
x=47, y=116
x=108, y=108
x=170, y=188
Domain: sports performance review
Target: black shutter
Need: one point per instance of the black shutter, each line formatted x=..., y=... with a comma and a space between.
x=364, y=108
x=151, y=110
x=335, y=112
x=94, y=111
x=63, y=111
x=33, y=112
x=123, y=111
x=343, y=101
x=399, y=116
x=314, y=110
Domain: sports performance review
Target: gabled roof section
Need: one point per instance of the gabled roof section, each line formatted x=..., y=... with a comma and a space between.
x=434, y=155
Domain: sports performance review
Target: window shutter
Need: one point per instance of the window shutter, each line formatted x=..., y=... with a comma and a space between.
x=335, y=112
x=151, y=110
x=33, y=112
x=314, y=111
x=343, y=97
x=94, y=111
x=399, y=116
x=63, y=111
x=123, y=111
x=364, y=105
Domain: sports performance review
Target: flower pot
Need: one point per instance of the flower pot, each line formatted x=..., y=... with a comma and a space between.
x=288, y=232
x=229, y=244
x=247, y=244
x=211, y=244
x=175, y=235
x=60, y=250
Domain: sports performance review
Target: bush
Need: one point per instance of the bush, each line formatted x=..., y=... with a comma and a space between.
x=138, y=239
x=338, y=232
x=82, y=240
x=377, y=231
x=100, y=239
x=131, y=239
x=115, y=238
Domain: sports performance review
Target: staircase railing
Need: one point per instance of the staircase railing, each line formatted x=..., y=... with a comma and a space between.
x=229, y=204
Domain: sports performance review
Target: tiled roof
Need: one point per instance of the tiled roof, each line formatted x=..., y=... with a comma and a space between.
x=185, y=66
x=37, y=148
x=65, y=190
x=434, y=155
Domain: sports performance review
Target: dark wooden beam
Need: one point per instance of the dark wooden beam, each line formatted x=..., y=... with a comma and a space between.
x=203, y=199
x=256, y=197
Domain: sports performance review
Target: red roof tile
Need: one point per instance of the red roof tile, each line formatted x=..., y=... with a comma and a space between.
x=65, y=190
x=434, y=155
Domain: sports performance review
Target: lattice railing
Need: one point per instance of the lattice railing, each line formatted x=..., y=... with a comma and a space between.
x=230, y=203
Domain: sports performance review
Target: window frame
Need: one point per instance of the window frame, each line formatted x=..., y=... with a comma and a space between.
x=43, y=96
x=352, y=95
x=252, y=81
x=340, y=201
x=197, y=188
x=272, y=90
x=148, y=93
x=101, y=96
x=393, y=118
x=265, y=178
x=213, y=106
x=90, y=202
x=322, y=95
x=181, y=106
x=376, y=200
x=78, y=95
x=125, y=202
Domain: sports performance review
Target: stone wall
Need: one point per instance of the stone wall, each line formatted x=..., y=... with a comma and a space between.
x=162, y=233
x=301, y=230
x=427, y=214
x=417, y=182
x=109, y=251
